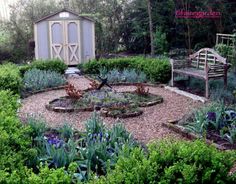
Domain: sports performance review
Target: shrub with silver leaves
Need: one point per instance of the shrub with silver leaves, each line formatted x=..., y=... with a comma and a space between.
x=36, y=79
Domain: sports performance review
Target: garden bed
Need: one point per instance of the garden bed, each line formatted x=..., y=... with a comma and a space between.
x=210, y=135
x=114, y=104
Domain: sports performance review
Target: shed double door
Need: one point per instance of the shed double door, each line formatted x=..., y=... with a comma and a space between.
x=65, y=41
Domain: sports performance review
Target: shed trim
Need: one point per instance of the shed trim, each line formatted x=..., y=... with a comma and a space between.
x=63, y=10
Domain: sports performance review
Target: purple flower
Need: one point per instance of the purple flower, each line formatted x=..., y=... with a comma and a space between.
x=54, y=140
x=211, y=116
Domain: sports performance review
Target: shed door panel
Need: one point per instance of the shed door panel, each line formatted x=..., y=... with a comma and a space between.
x=57, y=40
x=72, y=42
x=65, y=41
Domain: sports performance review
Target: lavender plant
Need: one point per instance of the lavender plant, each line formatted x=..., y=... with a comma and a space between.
x=126, y=75
x=36, y=79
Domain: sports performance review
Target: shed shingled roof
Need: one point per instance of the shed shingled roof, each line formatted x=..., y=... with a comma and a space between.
x=63, y=10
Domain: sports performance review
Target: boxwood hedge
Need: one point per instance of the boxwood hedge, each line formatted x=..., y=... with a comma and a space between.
x=157, y=69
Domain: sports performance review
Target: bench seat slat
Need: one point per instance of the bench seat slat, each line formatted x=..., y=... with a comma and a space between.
x=192, y=72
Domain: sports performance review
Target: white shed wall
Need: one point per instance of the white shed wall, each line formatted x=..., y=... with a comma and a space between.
x=88, y=40
x=42, y=38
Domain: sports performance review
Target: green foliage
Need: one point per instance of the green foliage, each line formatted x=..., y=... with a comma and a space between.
x=216, y=117
x=58, y=157
x=66, y=131
x=10, y=78
x=50, y=175
x=127, y=75
x=160, y=42
x=156, y=69
x=224, y=50
x=50, y=64
x=38, y=127
x=170, y=161
x=36, y=79
x=14, y=138
x=102, y=146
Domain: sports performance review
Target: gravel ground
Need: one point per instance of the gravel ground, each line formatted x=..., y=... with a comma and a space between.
x=145, y=128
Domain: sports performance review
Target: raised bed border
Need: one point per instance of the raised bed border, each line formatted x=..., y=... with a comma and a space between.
x=105, y=113
x=66, y=110
x=172, y=125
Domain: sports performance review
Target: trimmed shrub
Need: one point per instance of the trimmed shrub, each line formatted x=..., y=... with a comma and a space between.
x=36, y=79
x=51, y=64
x=10, y=78
x=173, y=162
x=14, y=138
x=156, y=69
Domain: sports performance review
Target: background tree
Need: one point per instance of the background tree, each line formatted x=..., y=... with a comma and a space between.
x=123, y=25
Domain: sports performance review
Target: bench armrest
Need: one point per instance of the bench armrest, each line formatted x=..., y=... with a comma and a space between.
x=177, y=63
x=218, y=67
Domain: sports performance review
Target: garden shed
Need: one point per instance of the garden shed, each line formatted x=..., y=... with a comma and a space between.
x=65, y=35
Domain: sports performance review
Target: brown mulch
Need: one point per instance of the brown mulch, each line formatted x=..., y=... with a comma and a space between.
x=145, y=128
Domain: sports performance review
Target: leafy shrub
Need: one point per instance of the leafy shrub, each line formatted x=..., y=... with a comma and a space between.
x=224, y=50
x=156, y=69
x=172, y=162
x=36, y=79
x=10, y=78
x=14, y=138
x=51, y=64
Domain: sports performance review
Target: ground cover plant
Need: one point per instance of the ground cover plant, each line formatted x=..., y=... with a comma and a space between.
x=156, y=69
x=35, y=80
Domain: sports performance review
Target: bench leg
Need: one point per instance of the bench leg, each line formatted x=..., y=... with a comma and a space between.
x=225, y=81
x=207, y=89
x=172, y=79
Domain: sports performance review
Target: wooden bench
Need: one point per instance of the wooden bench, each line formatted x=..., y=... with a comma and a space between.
x=205, y=64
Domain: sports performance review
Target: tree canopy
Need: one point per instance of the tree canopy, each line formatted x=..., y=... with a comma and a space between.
x=123, y=25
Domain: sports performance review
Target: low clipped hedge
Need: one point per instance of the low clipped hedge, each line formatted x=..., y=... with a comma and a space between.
x=172, y=162
x=50, y=64
x=14, y=138
x=10, y=78
x=157, y=69
x=16, y=149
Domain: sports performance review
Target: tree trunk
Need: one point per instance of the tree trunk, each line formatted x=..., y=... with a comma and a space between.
x=151, y=27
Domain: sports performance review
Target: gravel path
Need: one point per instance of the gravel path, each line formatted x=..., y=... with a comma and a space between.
x=145, y=128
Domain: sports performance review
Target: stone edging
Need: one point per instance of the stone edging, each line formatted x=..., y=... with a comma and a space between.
x=186, y=94
x=65, y=110
x=172, y=125
x=105, y=113
x=147, y=104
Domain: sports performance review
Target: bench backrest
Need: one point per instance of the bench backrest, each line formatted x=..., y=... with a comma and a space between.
x=205, y=57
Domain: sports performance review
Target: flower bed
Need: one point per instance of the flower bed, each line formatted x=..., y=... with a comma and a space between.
x=214, y=123
x=114, y=104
